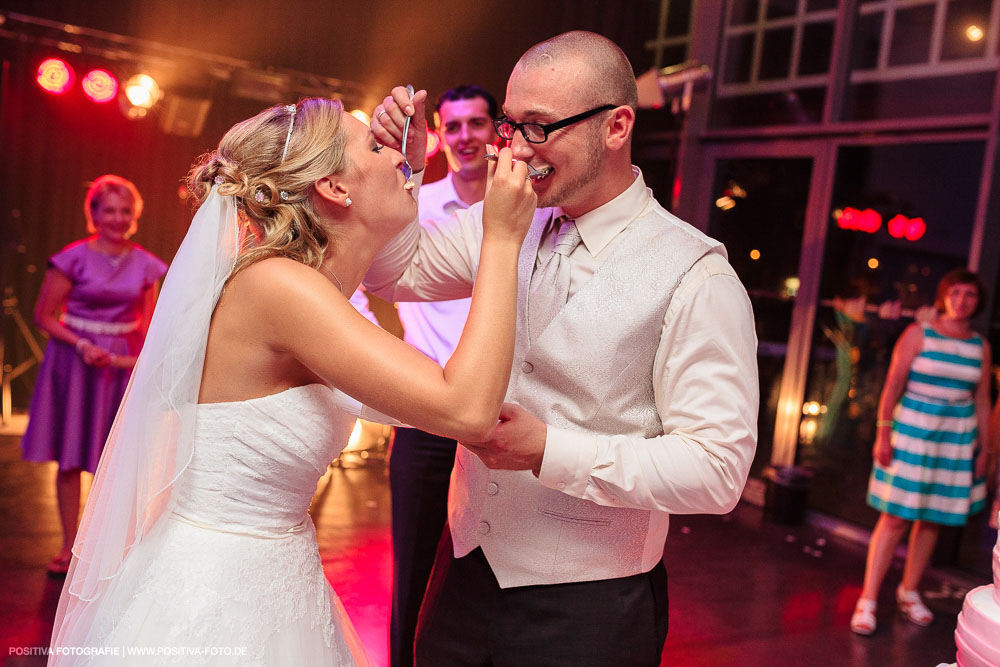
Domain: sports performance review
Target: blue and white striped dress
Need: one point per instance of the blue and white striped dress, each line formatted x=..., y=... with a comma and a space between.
x=934, y=435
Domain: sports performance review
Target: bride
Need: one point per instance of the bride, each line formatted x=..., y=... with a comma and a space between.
x=195, y=546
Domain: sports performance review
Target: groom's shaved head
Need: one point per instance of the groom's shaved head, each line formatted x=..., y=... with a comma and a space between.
x=611, y=79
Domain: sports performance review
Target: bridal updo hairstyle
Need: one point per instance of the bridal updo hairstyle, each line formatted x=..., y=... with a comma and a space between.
x=274, y=196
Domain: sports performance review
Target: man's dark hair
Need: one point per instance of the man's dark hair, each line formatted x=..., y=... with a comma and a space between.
x=467, y=93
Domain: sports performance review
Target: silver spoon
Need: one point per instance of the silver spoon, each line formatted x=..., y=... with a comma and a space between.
x=406, y=168
x=532, y=172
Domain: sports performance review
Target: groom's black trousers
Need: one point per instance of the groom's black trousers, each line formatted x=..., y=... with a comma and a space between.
x=468, y=620
x=419, y=472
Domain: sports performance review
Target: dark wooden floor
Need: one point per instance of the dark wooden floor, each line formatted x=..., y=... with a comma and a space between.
x=743, y=590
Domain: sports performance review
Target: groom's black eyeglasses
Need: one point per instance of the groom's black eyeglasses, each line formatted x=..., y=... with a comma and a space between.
x=538, y=133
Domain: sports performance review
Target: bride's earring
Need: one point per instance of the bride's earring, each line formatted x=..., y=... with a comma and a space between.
x=348, y=202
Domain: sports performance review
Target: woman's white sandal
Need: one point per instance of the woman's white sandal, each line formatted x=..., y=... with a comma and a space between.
x=913, y=608
x=863, y=619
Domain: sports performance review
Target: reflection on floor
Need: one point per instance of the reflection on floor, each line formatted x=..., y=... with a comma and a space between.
x=743, y=590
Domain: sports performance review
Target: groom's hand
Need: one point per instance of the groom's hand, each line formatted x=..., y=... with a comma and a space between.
x=517, y=442
x=387, y=124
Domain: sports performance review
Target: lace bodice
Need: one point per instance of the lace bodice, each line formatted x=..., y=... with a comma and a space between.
x=256, y=463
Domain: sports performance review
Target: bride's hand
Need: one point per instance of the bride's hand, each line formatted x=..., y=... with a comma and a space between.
x=510, y=200
x=387, y=124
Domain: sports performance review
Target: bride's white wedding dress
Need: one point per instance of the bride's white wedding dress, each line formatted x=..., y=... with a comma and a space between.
x=233, y=575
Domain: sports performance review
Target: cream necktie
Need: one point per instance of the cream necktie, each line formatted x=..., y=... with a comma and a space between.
x=550, y=283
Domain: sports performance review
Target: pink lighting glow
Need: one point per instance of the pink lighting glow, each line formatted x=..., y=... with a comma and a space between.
x=911, y=229
x=433, y=143
x=915, y=229
x=55, y=76
x=867, y=220
x=100, y=86
x=897, y=226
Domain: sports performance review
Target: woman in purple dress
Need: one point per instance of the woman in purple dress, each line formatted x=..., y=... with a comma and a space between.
x=95, y=303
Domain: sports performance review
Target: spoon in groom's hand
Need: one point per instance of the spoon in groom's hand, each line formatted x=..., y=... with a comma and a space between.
x=532, y=172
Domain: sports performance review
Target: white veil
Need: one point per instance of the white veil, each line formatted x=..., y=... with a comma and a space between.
x=151, y=441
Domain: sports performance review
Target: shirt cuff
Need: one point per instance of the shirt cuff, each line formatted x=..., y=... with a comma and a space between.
x=567, y=461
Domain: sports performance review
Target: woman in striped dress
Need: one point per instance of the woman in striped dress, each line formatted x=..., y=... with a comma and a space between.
x=933, y=414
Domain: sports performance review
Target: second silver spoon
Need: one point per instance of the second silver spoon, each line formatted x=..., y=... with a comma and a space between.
x=532, y=172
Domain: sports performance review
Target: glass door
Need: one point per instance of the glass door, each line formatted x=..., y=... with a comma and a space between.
x=758, y=209
x=900, y=216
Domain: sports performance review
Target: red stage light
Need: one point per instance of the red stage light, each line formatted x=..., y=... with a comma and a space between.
x=867, y=220
x=55, y=76
x=897, y=226
x=870, y=221
x=100, y=85
x=915, y=229
x=911, y=229
x=848, y=218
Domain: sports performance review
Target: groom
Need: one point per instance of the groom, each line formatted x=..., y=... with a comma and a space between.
x=633, y=395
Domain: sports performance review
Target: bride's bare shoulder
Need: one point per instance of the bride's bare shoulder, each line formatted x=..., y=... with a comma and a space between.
x=276, y=284
x=278, y=273
x=272, y=267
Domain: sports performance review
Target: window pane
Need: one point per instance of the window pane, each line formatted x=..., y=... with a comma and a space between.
x=742, y=12
x=779, y=9
x=758, y=212
x=867, y=38
x=790, y=107
x=777, y=54
x=678, y=18
x=965, y=31
x=820, y=5
x=674, y=55
x=911, y=35
x=817, y=43
x=919, y=98
x=739, y=59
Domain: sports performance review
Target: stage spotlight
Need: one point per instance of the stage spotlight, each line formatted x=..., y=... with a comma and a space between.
x=100, y=86
x=55, y=76
x=362, y=116
x=142, y=91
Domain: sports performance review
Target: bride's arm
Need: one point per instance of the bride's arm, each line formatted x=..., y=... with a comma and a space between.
x=309, y=319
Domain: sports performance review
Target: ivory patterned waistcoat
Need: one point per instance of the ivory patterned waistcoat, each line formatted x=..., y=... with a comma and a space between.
x=589, y=370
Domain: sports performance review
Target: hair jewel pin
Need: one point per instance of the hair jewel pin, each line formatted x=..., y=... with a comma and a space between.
x=259, y=196
x=284, y=195
x=218, y=180
x=291, y=109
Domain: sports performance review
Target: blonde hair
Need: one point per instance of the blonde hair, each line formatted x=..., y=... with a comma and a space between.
x=248, y=165
x=101, y=186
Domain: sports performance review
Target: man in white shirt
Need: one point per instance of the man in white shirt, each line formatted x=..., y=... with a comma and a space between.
x=420, y=464
x=633, y=393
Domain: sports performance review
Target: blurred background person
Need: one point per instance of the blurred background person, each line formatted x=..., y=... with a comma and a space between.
x=931, y=443
x=95, y=304
x=420, y=463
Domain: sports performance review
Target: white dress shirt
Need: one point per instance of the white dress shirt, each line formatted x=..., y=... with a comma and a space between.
x=434, y=327
x=705, y=371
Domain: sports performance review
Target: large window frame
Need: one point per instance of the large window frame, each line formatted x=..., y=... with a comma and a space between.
x=823, y=152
